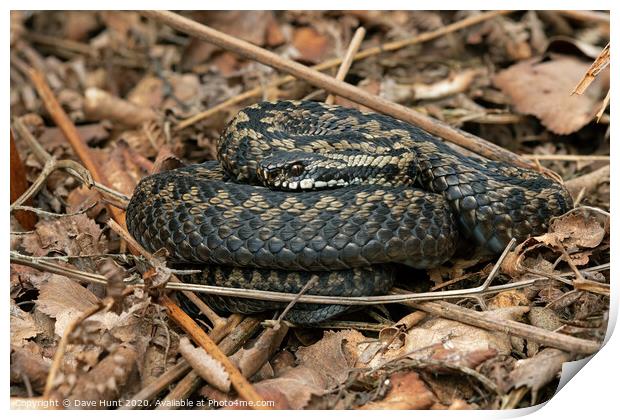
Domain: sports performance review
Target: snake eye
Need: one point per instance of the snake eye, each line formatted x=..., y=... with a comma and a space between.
x=297, y=169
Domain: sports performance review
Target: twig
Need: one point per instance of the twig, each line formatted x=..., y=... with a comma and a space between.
x=353, y=93
x=42, y=156
x=292, y=303
x=68, y=129
x=173, y=374
x=50, y=214
x=586, y=15
x=50, y=167
x=577, y=158
x=601, y=111
x=61, y=43
x=287, y=297
x=355, y=44
x=369, y=52
x=185, y=387
x=242, y=332
x=529, y=332
x=595, y=68
x=588, y=182
x=239, y=382
x=580, y=282
x=157, y=386
x=333, y=325
x=46, y=266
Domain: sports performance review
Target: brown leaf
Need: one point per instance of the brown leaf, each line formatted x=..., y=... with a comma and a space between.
x=539, y=370
x=249, y=25
x=73, y=235
x=27, y=361
x=23, y=326
x=294, y=388
x=407, y=392
x=311, y=45
x=333, y=355
x=574, y=230
x=65, y=300
x=321, y=366
x=543, y=89
x=464, y=342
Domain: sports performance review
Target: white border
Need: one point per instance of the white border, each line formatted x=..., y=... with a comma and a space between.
x=591, y=394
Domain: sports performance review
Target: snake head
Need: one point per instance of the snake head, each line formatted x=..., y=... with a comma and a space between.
x=288, y=170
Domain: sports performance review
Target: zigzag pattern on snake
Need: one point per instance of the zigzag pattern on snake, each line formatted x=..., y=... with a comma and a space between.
x=306, y=190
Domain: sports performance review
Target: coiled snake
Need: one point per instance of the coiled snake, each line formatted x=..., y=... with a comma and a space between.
x=306, y=190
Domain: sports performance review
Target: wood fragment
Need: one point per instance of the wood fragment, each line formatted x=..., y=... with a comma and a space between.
x=239, y=382
x=355, y=44
x=600, y=63
x=68, y=129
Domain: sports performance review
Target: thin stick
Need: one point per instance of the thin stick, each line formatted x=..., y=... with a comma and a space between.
x=529, y=332
x=355, y=44
x=577, y=158
x=42, y=156
x=601, y=111
x=292, y=303
x=586, y=15
x=43, y=265
x=50, y=167
x=68, y=129
x=369, y=52
x=600, y=63
x=239, y=382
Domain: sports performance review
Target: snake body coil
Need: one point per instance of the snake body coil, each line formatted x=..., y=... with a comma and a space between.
x=310, y=191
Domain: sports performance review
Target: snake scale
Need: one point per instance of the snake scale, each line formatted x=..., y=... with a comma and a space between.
x=304, y=190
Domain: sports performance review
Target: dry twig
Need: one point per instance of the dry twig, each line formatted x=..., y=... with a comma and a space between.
x=356, y=41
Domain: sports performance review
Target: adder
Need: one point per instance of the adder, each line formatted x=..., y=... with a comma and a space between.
x=304, y=190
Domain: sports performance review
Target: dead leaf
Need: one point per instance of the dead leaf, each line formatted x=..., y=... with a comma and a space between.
x=321, y=366
x=452, y=339
x=333, y=355
x=543, y=89
x=407, y=392
x=28, y=362
x=65, y=300
x=73, y=235
x=574, y=230
x=508, y=299
x=23, y=326
x=294, y=389
x=537, y=371
x=544, y=318
x=249, y=25
x=312, y=46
